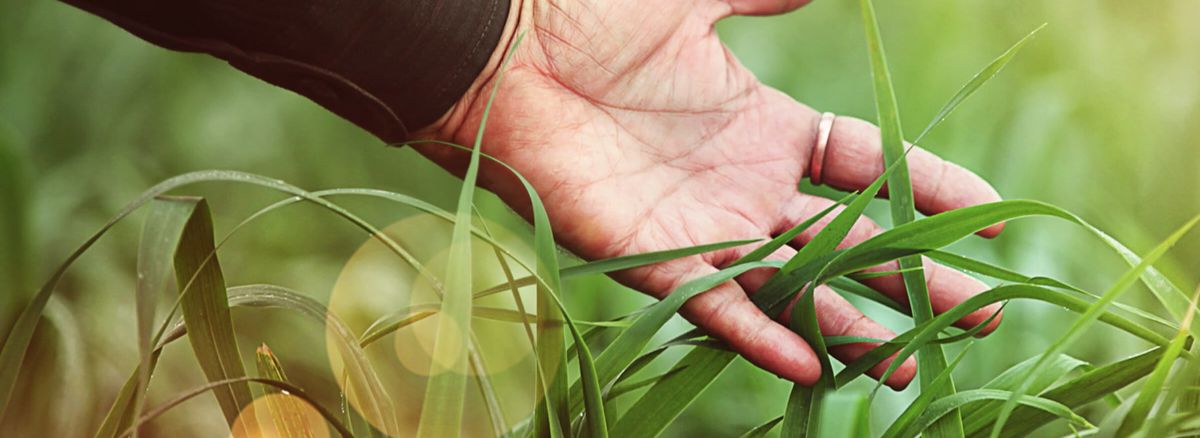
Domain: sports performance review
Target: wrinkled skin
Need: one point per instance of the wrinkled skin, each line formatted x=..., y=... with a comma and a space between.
x=642, y=132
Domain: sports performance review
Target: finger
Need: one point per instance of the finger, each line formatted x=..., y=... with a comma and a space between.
x=837, y=317
x=853, y=160
x=947, y=287
x=764, y=7
x=727, y=313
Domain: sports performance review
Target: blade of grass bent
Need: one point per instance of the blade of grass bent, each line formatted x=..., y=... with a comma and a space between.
x=987, y=269
x=931, y=361
x=206, y=311
x=1091, y=315
x=159, y=241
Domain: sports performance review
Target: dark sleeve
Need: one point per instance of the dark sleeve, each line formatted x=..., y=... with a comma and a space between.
x=389, y=66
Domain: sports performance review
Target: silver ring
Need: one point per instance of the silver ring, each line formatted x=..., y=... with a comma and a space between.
x=817, y=162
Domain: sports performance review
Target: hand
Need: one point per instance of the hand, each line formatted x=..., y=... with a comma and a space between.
x=641, y=132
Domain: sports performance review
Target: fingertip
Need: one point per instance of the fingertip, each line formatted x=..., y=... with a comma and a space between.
x=786, y=355
x=992, y=231
x=805, y=375
x=728, y=314
x=983, y=314
x=903, y=375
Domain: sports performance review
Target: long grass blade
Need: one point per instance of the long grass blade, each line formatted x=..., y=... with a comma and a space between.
x=442, y=409
x=932, y=360
x=987, y=269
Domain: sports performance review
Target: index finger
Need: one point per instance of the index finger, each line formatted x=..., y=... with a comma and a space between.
x=853, y=159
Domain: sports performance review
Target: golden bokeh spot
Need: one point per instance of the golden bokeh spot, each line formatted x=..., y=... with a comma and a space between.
x=376, y=283
x=279, y=415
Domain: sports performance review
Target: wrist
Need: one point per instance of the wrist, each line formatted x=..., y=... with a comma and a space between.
x=464, y=115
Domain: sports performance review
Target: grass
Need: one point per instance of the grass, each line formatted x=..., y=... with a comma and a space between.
x=611, y=389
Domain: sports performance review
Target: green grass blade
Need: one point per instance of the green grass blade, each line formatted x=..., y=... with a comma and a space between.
x=486, y=389
x=1153, y=388
x=762, y=430
x=121, y=414
x=1092, y=313
x=285, y=410
x=931, y=361
x=976, y=82
x=206, y=311
x=620, y=388
x=801, y=417
x=1091, y=386
x=1000, y=273
x=845, y=285
x=614, y=264
x=786, y=237
x=445, y=392
x=861, y=422
x=634, y=261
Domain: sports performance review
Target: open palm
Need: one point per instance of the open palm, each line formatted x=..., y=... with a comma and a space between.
x=642, y=132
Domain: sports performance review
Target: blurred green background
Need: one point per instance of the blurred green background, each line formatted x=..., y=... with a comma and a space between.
x=1099, y=114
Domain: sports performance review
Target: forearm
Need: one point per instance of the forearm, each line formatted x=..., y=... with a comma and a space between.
x=391, y=67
